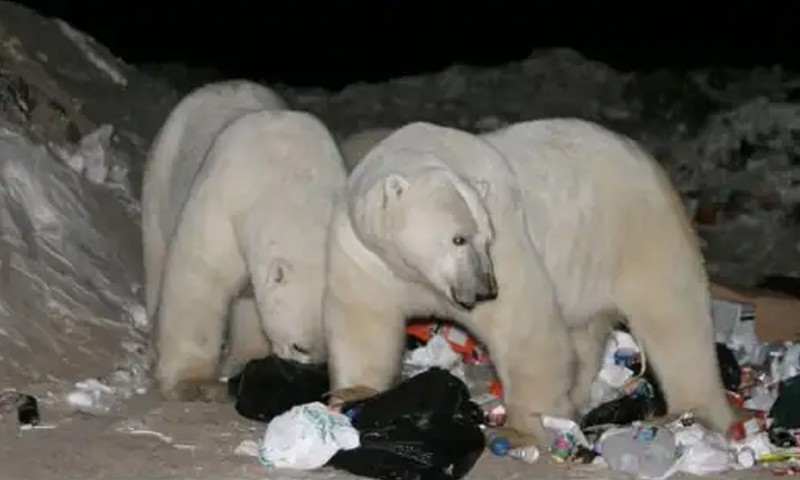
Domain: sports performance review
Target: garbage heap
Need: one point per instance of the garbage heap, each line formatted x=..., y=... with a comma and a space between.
x=448, y=408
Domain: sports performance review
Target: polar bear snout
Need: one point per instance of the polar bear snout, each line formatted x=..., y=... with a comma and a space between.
x=477, y=284
x=487, y=288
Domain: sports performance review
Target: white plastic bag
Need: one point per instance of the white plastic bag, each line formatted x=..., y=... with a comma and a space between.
x=306, y=437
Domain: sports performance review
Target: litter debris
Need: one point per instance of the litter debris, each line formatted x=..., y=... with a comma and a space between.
x=785, y=412
x=645, y=451
x=772, y=314
x=91, y=396
x=424, y=427
x=306, y=437
x=437, y=352
x=27, y=407
x=431, y=425
x=247, y=448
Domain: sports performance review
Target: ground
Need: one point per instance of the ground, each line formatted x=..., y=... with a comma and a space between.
x=70, y=254
x=84, y=446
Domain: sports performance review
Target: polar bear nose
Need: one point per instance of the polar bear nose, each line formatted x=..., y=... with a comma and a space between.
x=488, y=289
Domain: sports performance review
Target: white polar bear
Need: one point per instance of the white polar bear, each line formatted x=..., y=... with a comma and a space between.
x=357, y=145
x=174, y=159
x=431, y=213
x=258, y=209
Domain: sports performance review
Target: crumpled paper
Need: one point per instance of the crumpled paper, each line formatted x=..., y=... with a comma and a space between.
x=306, y=437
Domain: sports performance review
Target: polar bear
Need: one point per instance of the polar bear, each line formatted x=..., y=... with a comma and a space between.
x=176, y=155
x=258, y=209
x=174, y=159
x=357, y=145
x=533, y=238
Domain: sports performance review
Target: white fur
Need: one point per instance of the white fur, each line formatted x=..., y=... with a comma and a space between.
x=357, y=145
x=174, y=159
x=257, y=209
x=583, y=225
x=176, y=155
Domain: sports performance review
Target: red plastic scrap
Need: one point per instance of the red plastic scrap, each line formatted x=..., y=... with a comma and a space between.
x=743, y=429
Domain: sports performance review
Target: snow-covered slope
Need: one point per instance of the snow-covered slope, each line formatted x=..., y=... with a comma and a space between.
x=75, y=123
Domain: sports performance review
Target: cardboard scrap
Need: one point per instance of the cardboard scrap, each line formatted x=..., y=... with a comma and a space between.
x=776, y=315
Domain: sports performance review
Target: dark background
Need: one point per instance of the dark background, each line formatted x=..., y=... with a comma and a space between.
x=335, y=42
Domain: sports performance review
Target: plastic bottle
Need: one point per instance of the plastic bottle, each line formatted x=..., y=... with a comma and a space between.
x=500, y=445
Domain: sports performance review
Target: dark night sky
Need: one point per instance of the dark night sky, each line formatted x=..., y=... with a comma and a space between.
x=334, y=42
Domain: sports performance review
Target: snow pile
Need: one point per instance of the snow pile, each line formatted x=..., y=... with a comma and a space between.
x=70, y=261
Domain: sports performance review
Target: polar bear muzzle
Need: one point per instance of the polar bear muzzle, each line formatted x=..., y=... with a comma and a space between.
x=477, y=283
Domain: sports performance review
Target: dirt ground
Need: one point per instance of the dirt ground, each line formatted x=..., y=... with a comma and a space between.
x=192, y=440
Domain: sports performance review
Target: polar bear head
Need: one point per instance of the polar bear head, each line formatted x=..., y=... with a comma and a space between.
x=291, y=317
x=430, y=226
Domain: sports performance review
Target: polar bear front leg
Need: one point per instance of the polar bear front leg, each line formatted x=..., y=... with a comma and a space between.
x=199, y=281
x=529, y=344
x=246, y=338
x=535, y=367
x=365, y=343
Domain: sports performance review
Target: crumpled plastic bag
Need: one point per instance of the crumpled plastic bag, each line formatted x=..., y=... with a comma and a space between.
x=270, y=386
x=436, y=353
x=647, y=451
x=703, y=452
x=426, y=427
x=306, y=437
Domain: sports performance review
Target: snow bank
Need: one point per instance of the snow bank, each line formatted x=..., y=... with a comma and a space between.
x=74, y=126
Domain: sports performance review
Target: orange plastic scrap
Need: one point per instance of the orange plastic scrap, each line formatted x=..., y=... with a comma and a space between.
x=421, y=331
x=496, y=388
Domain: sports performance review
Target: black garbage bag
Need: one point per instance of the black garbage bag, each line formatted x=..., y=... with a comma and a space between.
x=729, y=369
x=270, y=386
x=648, y=401
x=425, y=428
x=785, y=412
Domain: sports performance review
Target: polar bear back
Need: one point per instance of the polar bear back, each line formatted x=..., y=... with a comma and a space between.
x=282, y=164
x=358, y=144
x=588, y=192
x=177, y=153
x=189, y=131
x=464, y=154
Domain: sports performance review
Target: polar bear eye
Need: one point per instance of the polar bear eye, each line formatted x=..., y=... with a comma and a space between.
x=459, y=240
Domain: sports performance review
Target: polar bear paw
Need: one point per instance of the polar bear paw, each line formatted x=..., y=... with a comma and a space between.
x=337, y=398
x=207, y=391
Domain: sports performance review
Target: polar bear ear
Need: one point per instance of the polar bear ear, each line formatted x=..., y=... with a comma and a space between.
x=279, y=269
x=394, y=186
x=482, y=187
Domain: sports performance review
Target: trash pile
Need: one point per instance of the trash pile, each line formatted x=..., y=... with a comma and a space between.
x=448, y=408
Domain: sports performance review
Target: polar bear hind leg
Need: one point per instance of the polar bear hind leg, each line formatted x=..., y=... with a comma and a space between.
x=204, y=271
x=663, y=291
x=589, y=342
